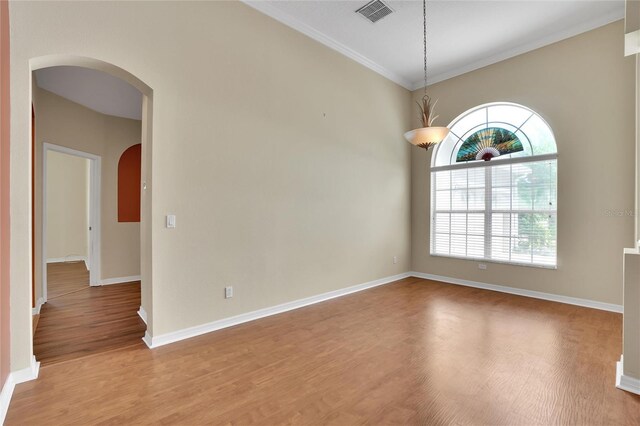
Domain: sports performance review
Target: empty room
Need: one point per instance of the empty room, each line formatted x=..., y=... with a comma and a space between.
x=320, y=212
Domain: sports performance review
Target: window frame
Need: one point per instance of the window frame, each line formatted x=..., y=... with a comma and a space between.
x=488, y=210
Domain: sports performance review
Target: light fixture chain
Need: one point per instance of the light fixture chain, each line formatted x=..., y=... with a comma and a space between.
x=424, y=21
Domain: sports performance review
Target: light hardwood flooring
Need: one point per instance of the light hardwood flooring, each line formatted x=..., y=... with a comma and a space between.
x=412, y=352
x=79, y=320
x=66, y=277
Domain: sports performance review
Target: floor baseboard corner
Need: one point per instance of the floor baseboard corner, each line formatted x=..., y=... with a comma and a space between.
x=14, y=378
x=36, y=309
x=626, y=383
x=142, y=314
x=186, y=333
x=27, y=374
x=5, y=397
x=594, y=304
x=120, y=280
x=148, y=340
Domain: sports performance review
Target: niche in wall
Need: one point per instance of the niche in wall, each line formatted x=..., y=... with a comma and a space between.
x=129, y=172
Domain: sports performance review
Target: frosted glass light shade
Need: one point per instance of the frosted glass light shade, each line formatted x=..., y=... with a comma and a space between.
x=426, y=135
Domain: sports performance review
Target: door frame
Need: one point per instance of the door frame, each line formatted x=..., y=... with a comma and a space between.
x=93, y=258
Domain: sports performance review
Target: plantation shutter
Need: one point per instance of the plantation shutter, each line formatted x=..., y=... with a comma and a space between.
x=504, y=211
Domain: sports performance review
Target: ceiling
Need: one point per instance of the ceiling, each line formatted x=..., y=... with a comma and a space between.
x=93, y=89
x=462, y=35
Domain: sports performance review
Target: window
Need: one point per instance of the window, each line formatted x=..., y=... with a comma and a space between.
x=494, y=188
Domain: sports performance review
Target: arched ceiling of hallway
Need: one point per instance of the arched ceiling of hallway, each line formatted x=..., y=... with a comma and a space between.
x=93, y=89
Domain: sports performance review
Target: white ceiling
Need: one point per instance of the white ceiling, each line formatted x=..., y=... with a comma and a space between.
x=93, y=89
x=462, y=35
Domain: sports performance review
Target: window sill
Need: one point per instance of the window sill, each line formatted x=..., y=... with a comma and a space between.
x=481, y=260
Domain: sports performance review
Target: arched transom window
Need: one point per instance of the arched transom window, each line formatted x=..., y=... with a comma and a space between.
x=494, y=188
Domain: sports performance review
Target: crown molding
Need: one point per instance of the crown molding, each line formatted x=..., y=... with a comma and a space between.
x=288, y=20
x=524, y=48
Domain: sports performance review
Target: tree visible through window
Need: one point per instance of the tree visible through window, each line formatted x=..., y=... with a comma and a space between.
x=494, y=188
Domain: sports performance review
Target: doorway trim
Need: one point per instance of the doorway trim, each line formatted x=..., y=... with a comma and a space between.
x=95, y=167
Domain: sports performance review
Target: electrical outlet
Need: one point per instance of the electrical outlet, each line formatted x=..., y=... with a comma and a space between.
x=482, y=266
x=228, y=292
x=395, y=259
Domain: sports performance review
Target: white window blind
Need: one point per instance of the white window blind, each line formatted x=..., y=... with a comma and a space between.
x=503, y=212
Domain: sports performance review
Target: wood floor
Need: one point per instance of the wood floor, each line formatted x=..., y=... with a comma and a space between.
x=79, y=320
x=66, y=277
x=412, y=352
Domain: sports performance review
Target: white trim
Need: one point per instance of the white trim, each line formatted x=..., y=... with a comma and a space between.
x=148, y=340
x=626, y=383
x=5, y=397
x=120, y=280
x=94, y=212
x=296, y=24
x=516, y=160
x=186, y=333
x=36, y=309
x=499, y=262
x=142, y=314
x=584, y=27
x=72, y=258
x=290, y=21
x=632, y=43
x=27, y=374
x=16, y=377
x=522, y=292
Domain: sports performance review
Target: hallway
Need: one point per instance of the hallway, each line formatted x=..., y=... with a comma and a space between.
x=79, y=320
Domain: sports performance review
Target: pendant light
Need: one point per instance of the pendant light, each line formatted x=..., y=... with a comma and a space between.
x=426, y=136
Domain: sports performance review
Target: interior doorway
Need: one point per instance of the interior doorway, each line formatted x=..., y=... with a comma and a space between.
x=90, y=148
x=70, y=215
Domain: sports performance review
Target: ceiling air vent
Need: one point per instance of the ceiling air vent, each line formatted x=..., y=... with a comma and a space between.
x=375, y=10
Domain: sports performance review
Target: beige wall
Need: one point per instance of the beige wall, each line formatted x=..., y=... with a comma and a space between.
x=583, y=87
x=283, y=160
x=67, y=206
x=631, y=340
x=631, y=325
x=65, y=123
x=5, y=252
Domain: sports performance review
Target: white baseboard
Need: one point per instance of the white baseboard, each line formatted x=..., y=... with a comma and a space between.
x=16, y=377
x=522, y=292
x=143, y=314
x=148, y=340
x=73, y=258
x=626, y=383
x=36, y=309
x=69, y=259
x=27, y=374
x=5, y=397
x=120, y=280
x=164, y=339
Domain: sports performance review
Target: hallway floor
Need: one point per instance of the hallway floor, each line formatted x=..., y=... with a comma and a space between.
x=79, y=320
x=411, y=352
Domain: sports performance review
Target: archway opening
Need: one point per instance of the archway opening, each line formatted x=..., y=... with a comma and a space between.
x=99, y=218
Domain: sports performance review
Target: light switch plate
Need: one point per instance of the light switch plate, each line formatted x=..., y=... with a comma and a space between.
x=171, y=221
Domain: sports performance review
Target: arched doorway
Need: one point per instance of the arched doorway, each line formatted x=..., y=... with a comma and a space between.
x=41, y=63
